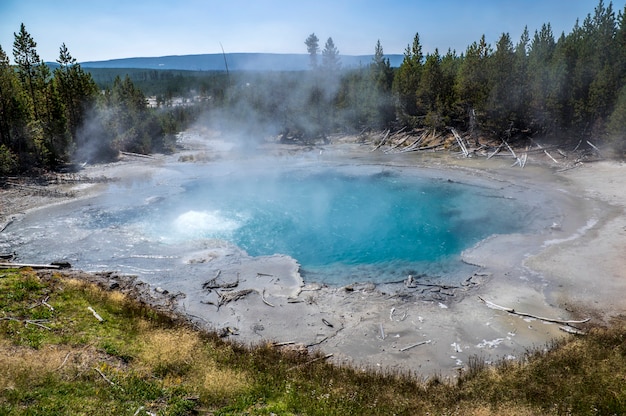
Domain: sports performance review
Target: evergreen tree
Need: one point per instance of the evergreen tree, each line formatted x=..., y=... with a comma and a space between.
x=541, y=79
x=616, y=128
x=330, y=57
x=503, y=103
x=28, y=63
x=406, y=82
x=77, y=89
x=450, y=64
x=429, y=91
x=380, y=102
x=312, y=47
x=605, y=84
x=473, y=83
x=521, y=87
x=10, y=115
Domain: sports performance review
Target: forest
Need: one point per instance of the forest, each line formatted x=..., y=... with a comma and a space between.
x=561, y=88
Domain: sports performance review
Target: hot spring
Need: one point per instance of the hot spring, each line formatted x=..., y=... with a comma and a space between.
x=342, y=222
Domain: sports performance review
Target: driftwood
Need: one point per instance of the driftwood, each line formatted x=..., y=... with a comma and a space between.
x=400, y=143
x=213, y=284
x=382, y=142
x=225, y=298
x=32, y=266
x=528, y=315
x=265, y=300
x=413, y=146
x=495, y=152
x=95, y=314
x=517, y=159
x=282, y=344
x=459, y=140
x=571, y=330
x=137, y=155
x=595, y=148
x=36, y=322
x=46, y=304
x=546, y=152
x=415, y=345
x=382, y=332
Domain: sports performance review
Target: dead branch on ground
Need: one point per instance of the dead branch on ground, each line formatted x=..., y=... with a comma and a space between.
x=528, y=315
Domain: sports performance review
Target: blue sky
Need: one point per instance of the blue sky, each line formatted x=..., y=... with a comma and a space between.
x=100, y=30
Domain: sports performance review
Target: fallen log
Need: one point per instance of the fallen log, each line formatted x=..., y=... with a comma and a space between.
x=225, y=298
x=137, y=155
x=383, y=141
x=32, y=266
x=413, y=146
x=571, y=330
x=528, y=315
x=213, y=284
x=281, y=344
x=400, y=143
x=415, y=345
x=595, y=148
x=495, y=152
x=459, y=140
x=36, y=322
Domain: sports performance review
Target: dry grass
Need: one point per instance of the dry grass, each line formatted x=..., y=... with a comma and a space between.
x=139, y=358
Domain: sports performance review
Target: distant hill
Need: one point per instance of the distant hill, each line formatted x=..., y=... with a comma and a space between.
x=236, y=62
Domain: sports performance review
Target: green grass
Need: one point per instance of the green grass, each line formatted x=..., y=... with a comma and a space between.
x=62, y=361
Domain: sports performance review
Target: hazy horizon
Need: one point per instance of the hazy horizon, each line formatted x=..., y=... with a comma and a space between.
x=96, y=31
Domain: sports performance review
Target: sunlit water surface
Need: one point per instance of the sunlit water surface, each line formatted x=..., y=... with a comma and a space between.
x=341, y=224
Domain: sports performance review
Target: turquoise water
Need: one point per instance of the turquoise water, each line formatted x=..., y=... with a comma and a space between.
x=341, y=226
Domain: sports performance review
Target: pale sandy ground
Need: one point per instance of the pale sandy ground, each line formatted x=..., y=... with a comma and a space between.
x=575, y=271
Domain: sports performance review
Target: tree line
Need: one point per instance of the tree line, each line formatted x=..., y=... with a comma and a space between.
x=563, y=89
x=566, y=89
x=51, y=117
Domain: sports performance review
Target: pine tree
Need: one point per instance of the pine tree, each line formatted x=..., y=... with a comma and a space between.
x=473, y=83
x=10, y=112
x=10, y=115
x=503, y=103
x=77, y=89
x=406, y=82
x=429, y=91
x=28, y=63
x=520, y=88
x=450, y=64
x=541, y=79
x=380, y=102
x=330, y=57
x=312, y=47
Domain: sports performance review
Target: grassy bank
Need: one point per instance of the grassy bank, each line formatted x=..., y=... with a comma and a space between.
x=56, y=357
